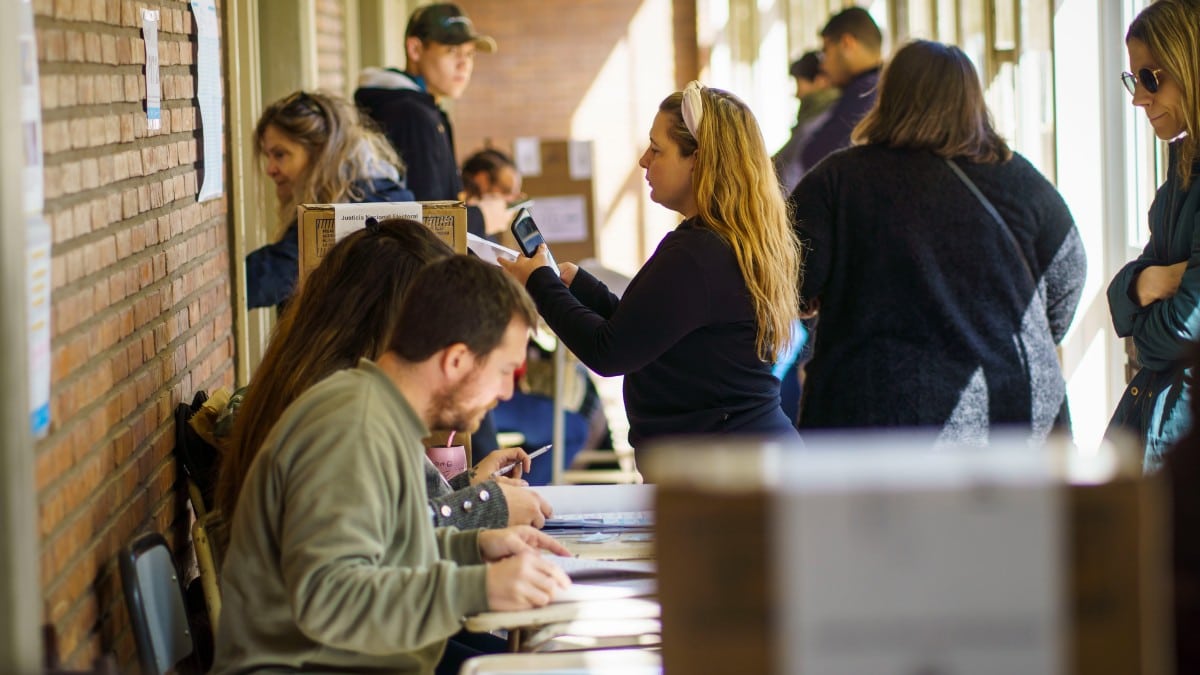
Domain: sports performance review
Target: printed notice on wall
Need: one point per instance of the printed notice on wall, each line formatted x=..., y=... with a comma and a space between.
x=561, y=219
x=208, y=91
x=527, y=155
x=31, y=114
x=37, y=270
x=579, y=159
x=153, y=85
x=37, y=232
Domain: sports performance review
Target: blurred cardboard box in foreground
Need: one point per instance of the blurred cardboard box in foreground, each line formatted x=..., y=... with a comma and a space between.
x=858, y=557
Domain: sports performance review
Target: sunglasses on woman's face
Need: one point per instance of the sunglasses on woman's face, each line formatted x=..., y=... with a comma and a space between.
x=1147, y=76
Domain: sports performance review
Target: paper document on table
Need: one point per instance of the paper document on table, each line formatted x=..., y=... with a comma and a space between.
x=587, y=569
x=592, y=499
x=602, y=521
x=489, y=251
x=608, y=589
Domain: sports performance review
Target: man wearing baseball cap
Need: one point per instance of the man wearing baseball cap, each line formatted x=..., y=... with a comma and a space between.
x=440, y=44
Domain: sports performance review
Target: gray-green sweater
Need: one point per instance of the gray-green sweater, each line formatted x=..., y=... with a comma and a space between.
x=334, y=565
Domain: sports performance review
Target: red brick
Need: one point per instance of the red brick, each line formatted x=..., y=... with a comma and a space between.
x=123, y=348
x=108, y=49
x=75, y=48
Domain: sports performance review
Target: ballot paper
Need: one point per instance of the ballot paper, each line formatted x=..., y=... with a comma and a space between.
x=607, y=589
x=569, y=500
x=489, y=251
x=589, y=569
x=605, y=579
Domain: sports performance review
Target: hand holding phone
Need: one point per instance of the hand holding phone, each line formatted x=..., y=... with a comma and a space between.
x=528, y=237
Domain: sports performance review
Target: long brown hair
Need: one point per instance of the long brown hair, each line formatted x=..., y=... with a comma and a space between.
x=346, y=311
x=739, y=198
x=930, y=99
x=1171, y=31
x=343, y=150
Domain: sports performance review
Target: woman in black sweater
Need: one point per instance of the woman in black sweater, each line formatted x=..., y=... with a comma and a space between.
x=932, y=312
x=697, y=329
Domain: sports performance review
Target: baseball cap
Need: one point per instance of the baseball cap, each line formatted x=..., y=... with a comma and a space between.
x=445, y=23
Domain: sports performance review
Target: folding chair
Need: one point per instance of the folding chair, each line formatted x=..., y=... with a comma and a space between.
x=207, y=563
x=155, y=602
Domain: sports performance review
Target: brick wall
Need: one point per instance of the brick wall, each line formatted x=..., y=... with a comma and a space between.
x=331, y=46
x=141, y=308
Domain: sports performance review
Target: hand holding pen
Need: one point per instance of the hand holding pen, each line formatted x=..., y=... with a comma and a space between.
x=486, y=468
x=526, y=462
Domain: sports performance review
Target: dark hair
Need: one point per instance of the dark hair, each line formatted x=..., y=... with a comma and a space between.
x=930, y=99
x=856, y=22
x=346, y=310
x=459, y=300
x=806, y=67
x=489, y=161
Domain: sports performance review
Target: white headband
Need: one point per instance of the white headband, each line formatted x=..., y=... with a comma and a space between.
x=693, y=107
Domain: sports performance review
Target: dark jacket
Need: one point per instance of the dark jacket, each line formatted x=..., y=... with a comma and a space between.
x=421, y=133
x=815, y=110
x=683, y=334
x=272, y=271
x=1162, y=330
x=927, y=316
x=857, y=98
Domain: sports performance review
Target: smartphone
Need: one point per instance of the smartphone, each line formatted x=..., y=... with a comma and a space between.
x=529, y=237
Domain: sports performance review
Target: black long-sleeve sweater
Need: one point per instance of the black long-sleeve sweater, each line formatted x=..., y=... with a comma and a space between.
x=928, y=317
x=683, y=334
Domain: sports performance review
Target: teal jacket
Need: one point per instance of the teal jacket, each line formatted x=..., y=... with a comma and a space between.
x=1155, y=404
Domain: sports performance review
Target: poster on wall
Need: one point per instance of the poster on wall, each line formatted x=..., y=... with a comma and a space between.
x=208, y=91
x=37, y=231
x=153, y=84
x=38, y=283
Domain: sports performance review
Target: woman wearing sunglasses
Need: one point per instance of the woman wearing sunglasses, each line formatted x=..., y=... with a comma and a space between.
x=1155, y=299
x=317, y=151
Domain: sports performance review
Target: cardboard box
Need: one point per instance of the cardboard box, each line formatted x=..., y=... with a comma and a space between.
x=318, y=225
x=558, y=171
x=720, y=578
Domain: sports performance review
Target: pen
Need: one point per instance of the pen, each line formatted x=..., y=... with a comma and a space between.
x=540, y=451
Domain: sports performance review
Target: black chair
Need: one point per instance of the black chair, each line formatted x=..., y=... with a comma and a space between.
x=155, y=601
x=197, y=457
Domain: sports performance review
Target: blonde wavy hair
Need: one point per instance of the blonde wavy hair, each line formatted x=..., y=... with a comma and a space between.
x=342, y=150
x=739, y=198
x=1171, y=31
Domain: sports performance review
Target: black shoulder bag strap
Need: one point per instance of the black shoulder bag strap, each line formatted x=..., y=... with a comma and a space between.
x=987, y=205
